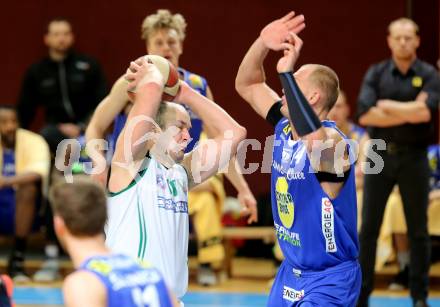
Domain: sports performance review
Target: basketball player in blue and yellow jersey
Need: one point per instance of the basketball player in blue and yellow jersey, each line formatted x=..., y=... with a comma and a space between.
x=313, y=198
x=101, y=278
x=164, y=34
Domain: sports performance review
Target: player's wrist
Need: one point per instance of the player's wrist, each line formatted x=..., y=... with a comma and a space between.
x=149, y=86
x=285, y=72
x=262, y=43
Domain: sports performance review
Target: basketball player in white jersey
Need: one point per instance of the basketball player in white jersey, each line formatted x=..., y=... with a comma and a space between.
x=148, y=210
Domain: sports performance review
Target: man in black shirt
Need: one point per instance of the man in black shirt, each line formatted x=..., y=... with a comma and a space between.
x=68, y=85
x=397, y=101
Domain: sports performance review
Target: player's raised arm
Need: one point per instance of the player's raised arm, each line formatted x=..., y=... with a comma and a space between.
x=102, y=119
x=148, y=82
x=250, y=82
x=107, y=110
x=214, y=153
x=321, y=142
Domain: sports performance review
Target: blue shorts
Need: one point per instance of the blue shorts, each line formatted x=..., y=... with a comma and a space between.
x=7, y=211
x=336, y=286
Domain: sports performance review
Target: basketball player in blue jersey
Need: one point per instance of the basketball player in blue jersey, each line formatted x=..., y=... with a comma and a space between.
x=313, y=200
x=101, y=278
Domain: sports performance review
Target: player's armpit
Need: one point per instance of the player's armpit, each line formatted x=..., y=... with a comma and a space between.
x=260, y=97
x=329, y=154
x=202, y=162
x=208, y=158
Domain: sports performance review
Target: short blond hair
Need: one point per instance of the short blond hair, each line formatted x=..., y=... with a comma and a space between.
x=327, y=81
x=404, y=20
x=163, y=19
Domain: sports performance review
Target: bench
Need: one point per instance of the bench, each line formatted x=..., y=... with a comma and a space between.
x=267, y=234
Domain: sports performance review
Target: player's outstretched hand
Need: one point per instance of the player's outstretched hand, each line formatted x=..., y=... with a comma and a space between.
x=275, y=34
x=140, y=72
x=291, y=54
x=249, y=204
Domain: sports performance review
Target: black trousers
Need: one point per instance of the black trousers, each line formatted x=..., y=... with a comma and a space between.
x=53, y=137
x=410, y=170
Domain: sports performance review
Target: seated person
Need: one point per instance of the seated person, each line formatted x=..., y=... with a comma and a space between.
x=24, y=169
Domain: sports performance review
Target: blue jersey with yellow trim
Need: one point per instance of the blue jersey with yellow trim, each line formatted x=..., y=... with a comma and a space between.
x=314, y=231
x=196, y=82
x=434, y=165
x=128, y=283
x=356, y=132
x=118, y=125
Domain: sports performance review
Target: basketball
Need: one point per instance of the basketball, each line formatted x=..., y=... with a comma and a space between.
x=170, y=76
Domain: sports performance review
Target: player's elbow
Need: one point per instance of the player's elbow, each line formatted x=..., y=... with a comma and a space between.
x=239, y=134
x=240, y=86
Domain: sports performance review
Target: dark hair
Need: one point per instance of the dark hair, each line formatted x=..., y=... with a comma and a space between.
x=9, y=107
x=81, y=204
x=58, y=19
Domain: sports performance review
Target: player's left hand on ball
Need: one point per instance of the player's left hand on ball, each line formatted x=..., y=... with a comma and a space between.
x=249, y=204
x=140, y=72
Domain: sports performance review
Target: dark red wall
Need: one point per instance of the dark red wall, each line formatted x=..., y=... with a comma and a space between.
x=346, y=35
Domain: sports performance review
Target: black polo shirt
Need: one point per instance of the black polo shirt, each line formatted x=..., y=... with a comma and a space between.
x=385, y=81
x=69, y=90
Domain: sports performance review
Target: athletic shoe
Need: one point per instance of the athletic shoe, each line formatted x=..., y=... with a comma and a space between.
x=49, y=271
x=16, y=269
x=206, y=276
x=400, y=281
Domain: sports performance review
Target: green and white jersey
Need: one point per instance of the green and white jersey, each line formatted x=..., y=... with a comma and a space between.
x=149, y=220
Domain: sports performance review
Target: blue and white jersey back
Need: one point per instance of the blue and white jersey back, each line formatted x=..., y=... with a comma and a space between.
x=314, y=231
x=128, y=283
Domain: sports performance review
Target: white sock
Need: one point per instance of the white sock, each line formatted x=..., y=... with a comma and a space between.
x=51, y=251
x=403, y=259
